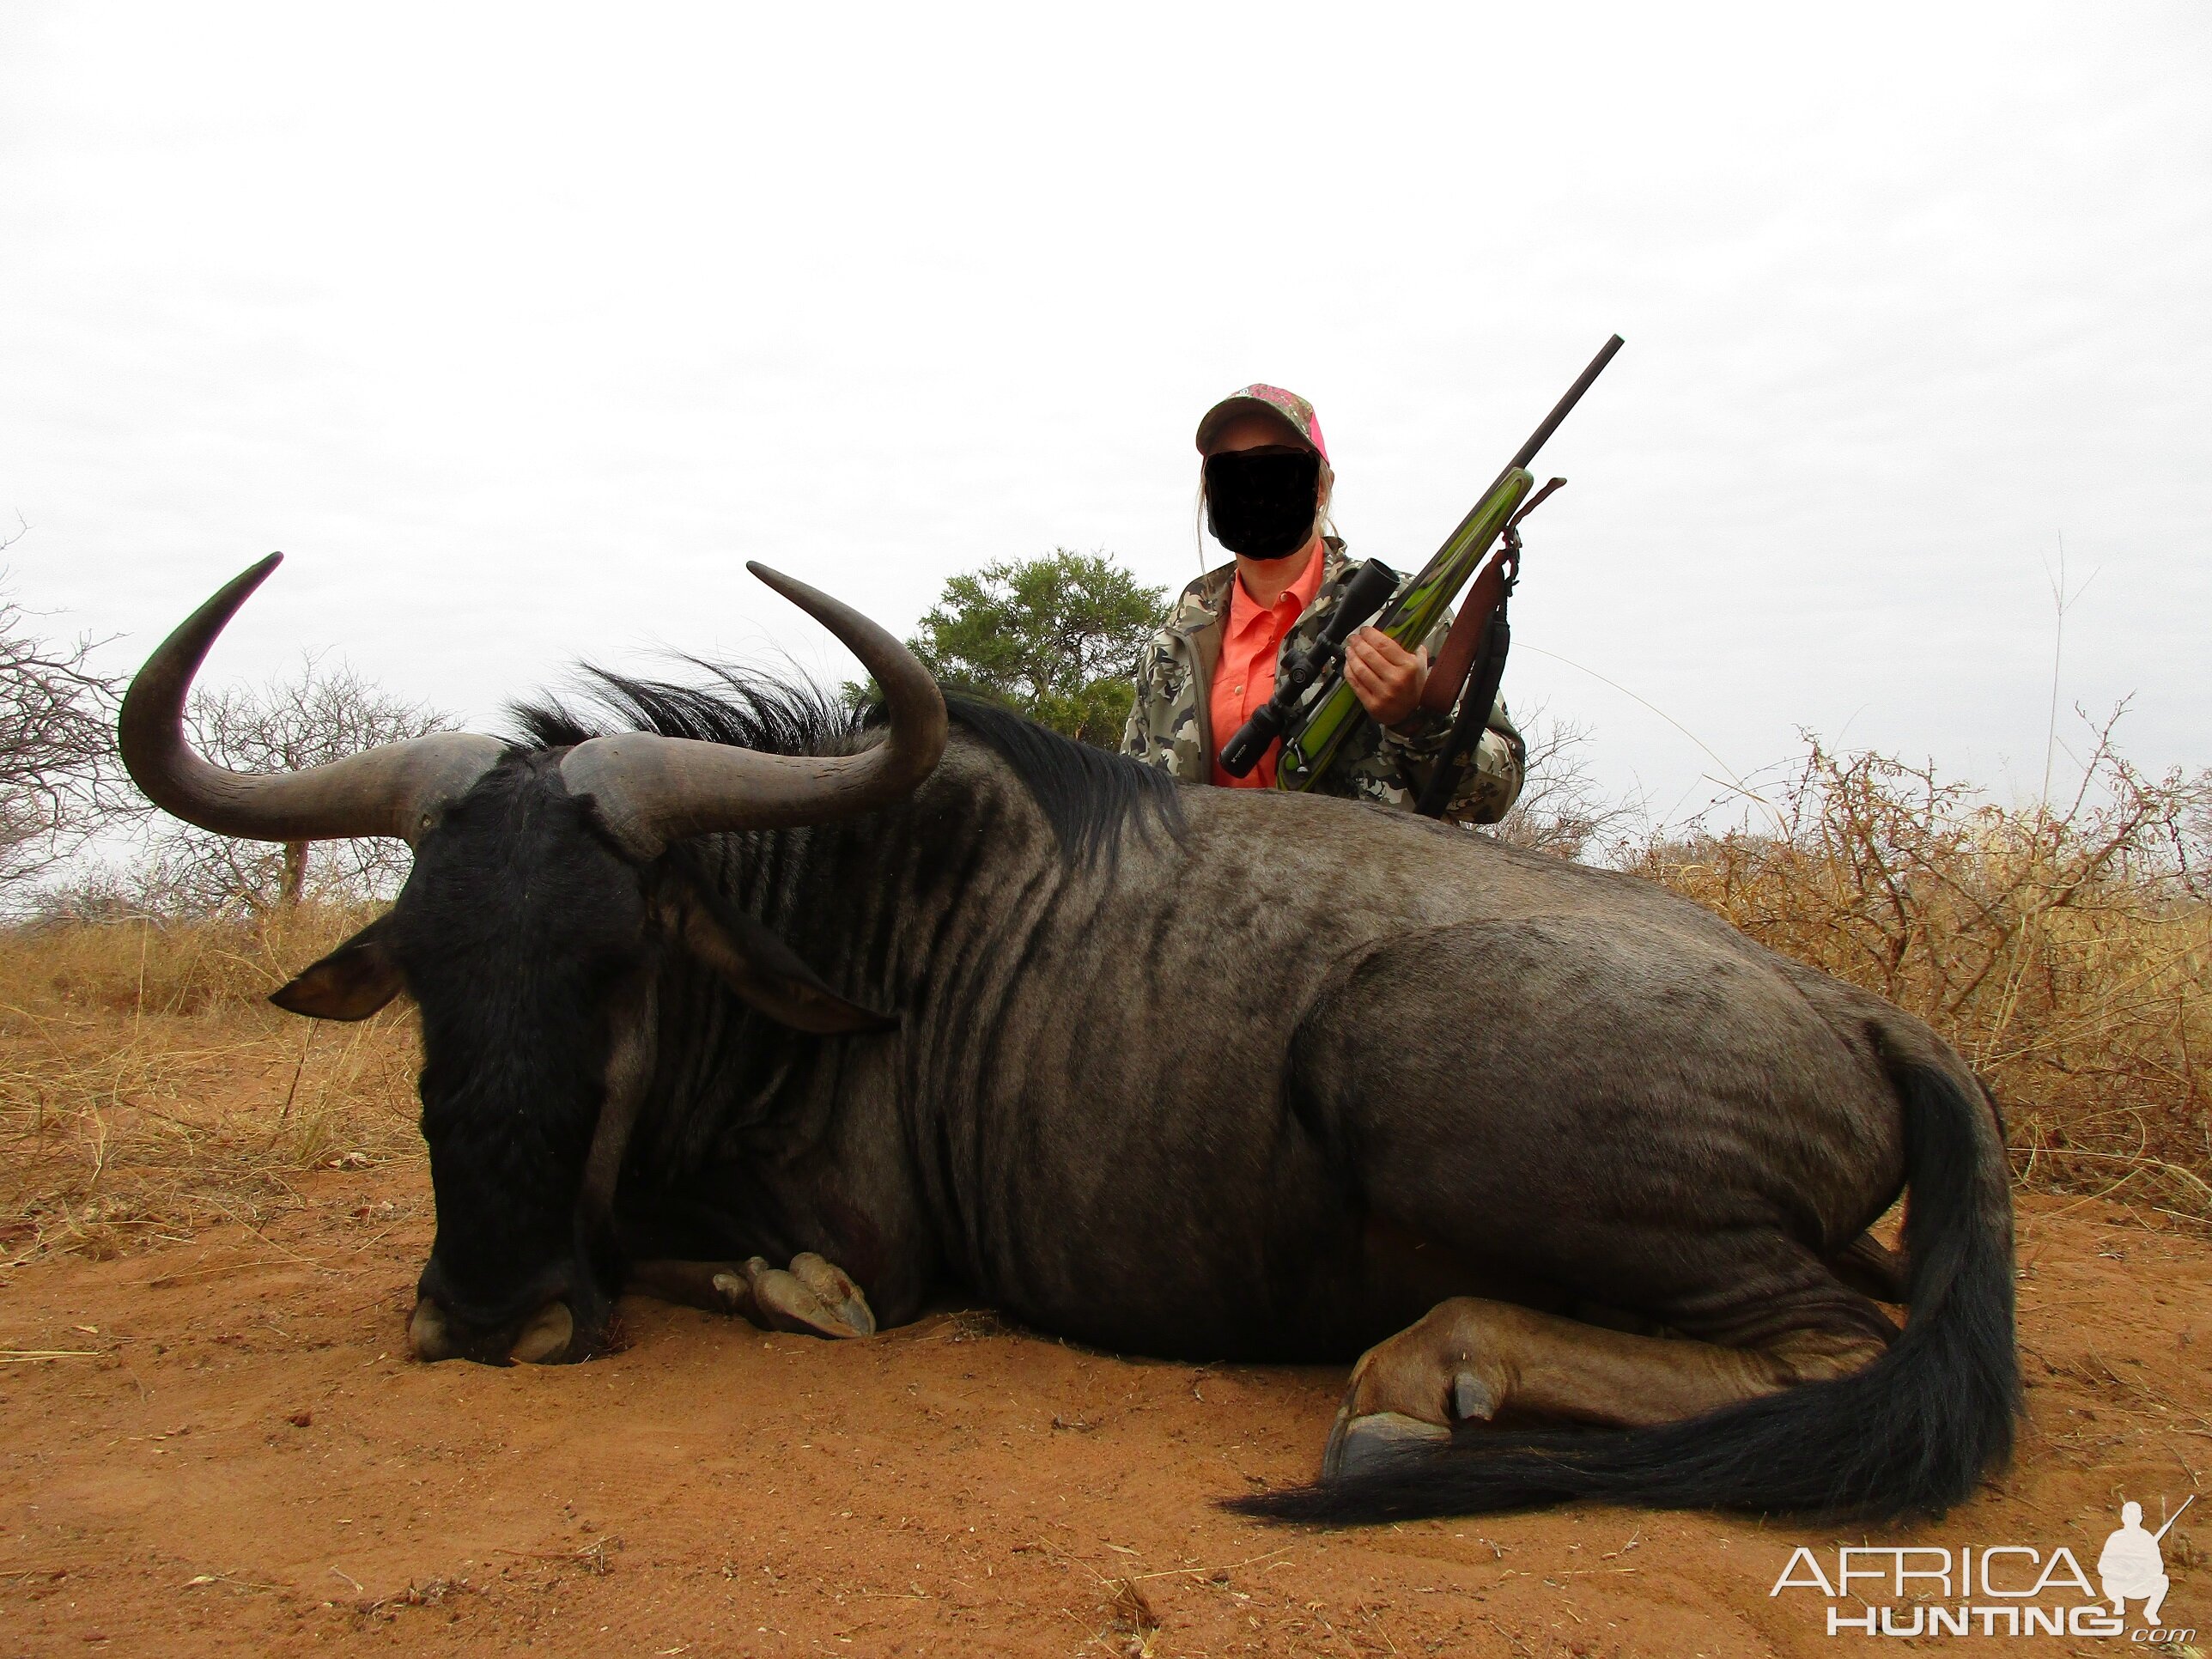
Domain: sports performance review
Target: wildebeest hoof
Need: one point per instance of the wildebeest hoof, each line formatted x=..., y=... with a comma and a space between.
x=1369, y=1443
x=836, y=1291
x=429, y=1334
x=1474, y=1399
x=545, y=1340
x=812, y=1294
x=811, y=1298
x=1442, y=1370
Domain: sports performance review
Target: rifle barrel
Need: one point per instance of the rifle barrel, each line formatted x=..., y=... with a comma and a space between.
x=1565, y=407
x=2170, y=1519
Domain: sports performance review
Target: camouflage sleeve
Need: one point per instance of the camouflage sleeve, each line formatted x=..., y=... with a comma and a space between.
x=1147, y=737
x=1490, y=785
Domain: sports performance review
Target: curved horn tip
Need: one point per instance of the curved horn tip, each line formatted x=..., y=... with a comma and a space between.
x=168, y=672
x=226, y=601
x=807, y=597
x=257, y=573
x=378, y=792
x=776, y=578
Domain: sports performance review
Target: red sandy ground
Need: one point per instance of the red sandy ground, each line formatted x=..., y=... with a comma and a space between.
x=238, y=1456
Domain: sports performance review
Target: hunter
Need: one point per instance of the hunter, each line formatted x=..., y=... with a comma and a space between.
x=1267, y=483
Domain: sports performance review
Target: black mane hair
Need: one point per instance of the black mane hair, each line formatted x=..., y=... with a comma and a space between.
x=1086, y=793
x=744, y=709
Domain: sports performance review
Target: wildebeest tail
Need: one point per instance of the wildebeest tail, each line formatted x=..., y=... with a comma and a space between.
x=1913, y=1432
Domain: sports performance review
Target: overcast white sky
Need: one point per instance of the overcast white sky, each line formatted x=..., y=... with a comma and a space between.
x=518, y=329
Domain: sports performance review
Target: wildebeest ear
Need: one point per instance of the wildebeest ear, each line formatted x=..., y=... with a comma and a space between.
x=765, y=972
x=352, y=982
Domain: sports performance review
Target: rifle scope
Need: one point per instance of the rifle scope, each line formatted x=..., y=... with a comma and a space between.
x=1367, y=592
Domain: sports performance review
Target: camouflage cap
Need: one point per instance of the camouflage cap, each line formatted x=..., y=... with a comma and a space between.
x=1285, y=406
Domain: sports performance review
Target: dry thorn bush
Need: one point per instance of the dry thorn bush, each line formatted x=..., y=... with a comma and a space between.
x=2064, y=951
x=146, y=1088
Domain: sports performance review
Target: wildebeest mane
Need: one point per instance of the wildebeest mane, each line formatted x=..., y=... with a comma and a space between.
x=1087, y=795
x=741, y=708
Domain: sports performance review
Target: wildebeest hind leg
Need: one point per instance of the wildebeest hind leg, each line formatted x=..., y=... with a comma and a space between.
x=1470, y=1359
x=812, y=1296
x=1872, y=1268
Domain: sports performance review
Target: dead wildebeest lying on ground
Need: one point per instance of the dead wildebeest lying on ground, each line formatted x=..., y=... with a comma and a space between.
x=1195, y=1072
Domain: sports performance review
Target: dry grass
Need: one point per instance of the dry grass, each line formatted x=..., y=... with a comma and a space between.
x=146, y=1088
x=2063, y=953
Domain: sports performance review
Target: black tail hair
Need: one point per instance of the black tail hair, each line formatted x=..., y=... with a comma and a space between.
x=1910, y=1434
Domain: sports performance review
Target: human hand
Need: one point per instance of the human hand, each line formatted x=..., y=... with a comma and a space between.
x=1384, y=676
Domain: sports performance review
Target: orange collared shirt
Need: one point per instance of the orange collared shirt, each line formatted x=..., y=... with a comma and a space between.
x=1245, y=677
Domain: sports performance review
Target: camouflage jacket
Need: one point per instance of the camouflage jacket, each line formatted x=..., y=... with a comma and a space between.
x=1169, y=723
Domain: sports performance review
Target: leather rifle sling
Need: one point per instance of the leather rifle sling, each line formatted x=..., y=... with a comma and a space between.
x=1456, y=659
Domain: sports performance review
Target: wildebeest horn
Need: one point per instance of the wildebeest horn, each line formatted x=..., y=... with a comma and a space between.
x=652, y=790
x=392, y=790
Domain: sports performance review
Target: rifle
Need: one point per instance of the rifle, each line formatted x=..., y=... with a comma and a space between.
x=1313, y=709
x=2170, y=1519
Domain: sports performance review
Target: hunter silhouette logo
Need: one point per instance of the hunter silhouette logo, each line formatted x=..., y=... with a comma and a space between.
x=2131, y=1565
x=1995, y=1589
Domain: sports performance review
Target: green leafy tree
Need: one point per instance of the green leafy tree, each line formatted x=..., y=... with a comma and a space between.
x=1056, y=637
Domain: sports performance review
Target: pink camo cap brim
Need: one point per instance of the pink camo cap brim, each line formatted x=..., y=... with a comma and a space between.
x=1288, y=407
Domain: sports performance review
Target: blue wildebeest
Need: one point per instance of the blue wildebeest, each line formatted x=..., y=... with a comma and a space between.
x=922, y=1006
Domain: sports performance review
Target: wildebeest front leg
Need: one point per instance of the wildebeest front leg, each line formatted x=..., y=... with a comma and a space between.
x=813, y=1296
x=1470, y=1360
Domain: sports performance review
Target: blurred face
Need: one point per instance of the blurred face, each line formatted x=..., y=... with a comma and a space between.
x=1264, y=488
